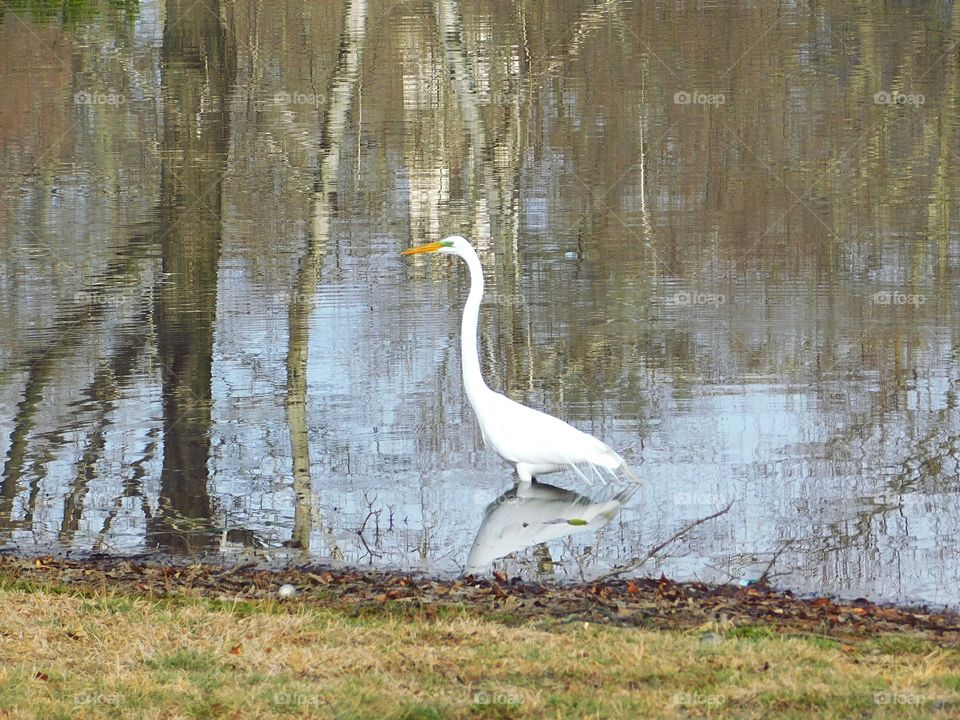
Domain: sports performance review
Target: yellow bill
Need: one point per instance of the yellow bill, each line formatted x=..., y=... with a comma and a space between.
x=429, y=247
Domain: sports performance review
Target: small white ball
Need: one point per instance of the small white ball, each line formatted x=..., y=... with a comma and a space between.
x=286, y=591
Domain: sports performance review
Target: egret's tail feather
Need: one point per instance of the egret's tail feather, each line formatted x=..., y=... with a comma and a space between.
x=622, y=472
x=582, y=472
x=594, y=473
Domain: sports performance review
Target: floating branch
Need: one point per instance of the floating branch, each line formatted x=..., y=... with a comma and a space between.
x=633, y=565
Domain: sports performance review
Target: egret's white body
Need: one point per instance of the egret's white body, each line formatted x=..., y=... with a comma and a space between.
x=536, y=443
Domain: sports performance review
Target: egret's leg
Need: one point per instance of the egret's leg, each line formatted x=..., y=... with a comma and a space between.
x=523, y=472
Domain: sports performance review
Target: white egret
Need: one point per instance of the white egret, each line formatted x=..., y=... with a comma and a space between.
x=536, y=443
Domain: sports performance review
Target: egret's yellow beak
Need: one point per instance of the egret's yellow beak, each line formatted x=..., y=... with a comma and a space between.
x=428, y=248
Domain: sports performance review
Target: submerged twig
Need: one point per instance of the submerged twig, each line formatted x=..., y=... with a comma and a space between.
x=765, y=575
x=617, y=571
x=375, y=514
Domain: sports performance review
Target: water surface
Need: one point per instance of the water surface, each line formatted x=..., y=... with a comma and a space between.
x=723, y=238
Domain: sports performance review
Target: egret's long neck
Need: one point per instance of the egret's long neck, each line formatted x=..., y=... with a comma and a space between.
x=470, y=358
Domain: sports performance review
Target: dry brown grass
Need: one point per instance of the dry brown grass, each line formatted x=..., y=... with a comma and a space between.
x=118, y=655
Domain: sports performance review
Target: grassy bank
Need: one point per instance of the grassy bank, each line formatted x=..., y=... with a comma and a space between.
x=73, y=650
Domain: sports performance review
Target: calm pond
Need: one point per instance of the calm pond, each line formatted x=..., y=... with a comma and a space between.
x=722, y=237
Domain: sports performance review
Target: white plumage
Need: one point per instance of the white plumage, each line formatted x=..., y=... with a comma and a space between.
x=536, y=443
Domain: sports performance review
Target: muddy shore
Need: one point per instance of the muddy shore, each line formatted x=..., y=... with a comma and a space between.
x=646, y=602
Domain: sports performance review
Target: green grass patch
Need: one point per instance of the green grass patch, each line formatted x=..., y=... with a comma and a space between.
x=186, y=660
x=901, y=645
x=819, y=641
x=752, y=632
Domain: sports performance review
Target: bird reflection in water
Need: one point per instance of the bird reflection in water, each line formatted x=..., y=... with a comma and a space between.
x=534, y=513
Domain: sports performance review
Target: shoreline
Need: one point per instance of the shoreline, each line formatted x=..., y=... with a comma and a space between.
x=649, y=603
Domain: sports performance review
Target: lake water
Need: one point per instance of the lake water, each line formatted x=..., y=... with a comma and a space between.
x=723, y=237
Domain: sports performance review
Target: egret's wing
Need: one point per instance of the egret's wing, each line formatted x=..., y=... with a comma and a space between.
x=524, y=435
x=537, y=438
